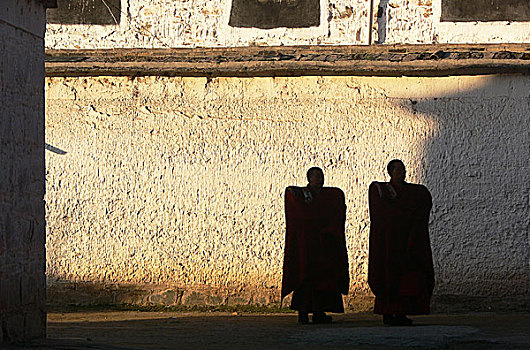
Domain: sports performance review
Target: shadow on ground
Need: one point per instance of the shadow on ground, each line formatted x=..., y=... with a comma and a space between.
x=152, y=330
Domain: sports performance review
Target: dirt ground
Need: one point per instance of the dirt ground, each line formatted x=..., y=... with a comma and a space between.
x=215, y=330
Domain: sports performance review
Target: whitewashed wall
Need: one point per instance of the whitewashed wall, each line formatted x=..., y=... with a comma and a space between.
x=178, y=182
x=204, y=23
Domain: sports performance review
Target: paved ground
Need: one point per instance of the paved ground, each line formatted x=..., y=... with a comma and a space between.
x=153, y=330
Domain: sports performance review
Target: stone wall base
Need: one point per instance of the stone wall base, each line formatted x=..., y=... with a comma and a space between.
x=63, y=294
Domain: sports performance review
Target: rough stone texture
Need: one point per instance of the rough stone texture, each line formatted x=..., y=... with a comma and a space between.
x=205, y=23
x=178, y=182
x=22, y=255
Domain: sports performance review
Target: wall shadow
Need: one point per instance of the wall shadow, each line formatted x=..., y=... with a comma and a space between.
x=476, y=169
x=221, y=331
x=382, y=21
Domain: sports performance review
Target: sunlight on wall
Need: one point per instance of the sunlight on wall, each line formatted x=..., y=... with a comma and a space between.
x=184, y=184
x=180, y=181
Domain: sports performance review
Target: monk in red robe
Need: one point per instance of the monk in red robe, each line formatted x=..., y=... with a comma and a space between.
x=400, y=267
x=315, y=266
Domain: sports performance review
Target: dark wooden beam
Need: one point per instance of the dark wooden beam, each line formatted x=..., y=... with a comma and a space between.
x=395, y=60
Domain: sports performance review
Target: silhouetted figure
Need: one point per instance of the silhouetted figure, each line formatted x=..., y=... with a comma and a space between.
x=315, y=265
x=400, y=268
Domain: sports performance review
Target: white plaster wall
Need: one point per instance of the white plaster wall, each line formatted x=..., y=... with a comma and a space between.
x=204, y=23
x=179, y=181
x=406, y=22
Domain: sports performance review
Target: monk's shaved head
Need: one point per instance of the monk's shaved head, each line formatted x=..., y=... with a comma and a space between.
x=315, y=178
x=396, y=170
x=392, y=164
x=312, y=170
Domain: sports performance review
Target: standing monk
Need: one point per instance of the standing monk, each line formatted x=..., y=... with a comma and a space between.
x=315, y=265
x=400, y=268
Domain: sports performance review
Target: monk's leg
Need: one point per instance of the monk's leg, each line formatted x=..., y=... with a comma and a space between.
x=388, y=319
x=402, y=320
x=321, y=317
x=302, y=302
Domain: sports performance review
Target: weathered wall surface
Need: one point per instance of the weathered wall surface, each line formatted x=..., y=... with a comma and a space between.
x=176, y=184
x=205, y=23
x=22, y=255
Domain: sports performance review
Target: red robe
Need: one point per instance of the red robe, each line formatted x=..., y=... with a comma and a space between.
x=315, y=243
x=400, y=267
